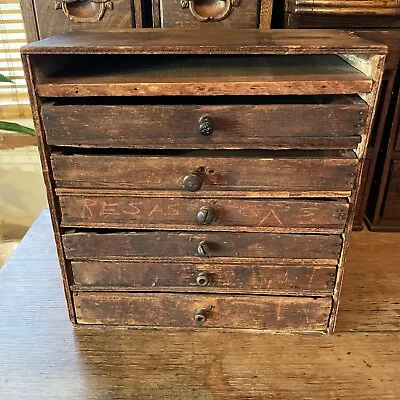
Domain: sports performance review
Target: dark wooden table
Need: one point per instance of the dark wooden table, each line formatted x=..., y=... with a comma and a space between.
x=42, y=356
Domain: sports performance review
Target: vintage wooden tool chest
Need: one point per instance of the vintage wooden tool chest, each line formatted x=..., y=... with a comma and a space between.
x=201, y=180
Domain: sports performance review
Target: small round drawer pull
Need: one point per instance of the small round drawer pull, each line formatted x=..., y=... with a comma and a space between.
x=201, y=315
x=202, y=249
x=192, y=182
x=205, y=216
x=202, y=279
x=206, y=125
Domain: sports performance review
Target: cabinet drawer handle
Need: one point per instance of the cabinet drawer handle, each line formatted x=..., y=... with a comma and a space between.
x=202, y=279
x=77, y=10
x=205, y=216
x=202, y=249
x=209, y=14
x=201, y=315
x=206, y=125
x=192, y=182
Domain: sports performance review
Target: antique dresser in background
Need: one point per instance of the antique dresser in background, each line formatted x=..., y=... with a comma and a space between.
x=44, y=18
x=379, y=20
x=203, y=181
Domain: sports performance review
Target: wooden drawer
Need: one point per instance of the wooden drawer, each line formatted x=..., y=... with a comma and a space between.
x=302, y=123
x=186, y=246
x=255, y=278
x=54, y=17
x=207, y=311
x=144, y=212
x=210, y=13
x=236, y=172
x=391, y=207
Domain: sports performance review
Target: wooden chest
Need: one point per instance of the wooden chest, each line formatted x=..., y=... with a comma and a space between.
x=203, y=181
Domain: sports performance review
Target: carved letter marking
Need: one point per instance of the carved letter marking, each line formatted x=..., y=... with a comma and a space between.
x=87, y=212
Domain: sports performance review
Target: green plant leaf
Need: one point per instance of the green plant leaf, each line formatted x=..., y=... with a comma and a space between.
x=13, y=127
x=5, y=79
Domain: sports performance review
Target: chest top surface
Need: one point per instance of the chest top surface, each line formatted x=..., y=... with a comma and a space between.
x=193, y=41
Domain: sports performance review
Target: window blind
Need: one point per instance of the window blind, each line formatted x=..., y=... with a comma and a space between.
x=14, y=102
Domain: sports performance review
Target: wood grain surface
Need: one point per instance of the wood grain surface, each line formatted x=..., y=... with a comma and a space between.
x=42, y=357
x=51, y=21
x=134, y=212
x=219, y=278
x=200, y=75
x=235, y=125
x=184, y=246
x=196, y=41
x=274, y=313
x=245, y=16
x=222, y=171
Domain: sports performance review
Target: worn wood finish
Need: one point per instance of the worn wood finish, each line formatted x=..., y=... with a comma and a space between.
x=221, y=245
x=237, y=125
x=342, y=14
x=44, y=357
x=193, y=176
x=171, y=213
x=345, y=7
x=373, y=188
x=195, y=41
x=230, y=278
x=382, y=211
x=374, y=68
x=172, y=15
x=192, y=75
x=46, y=20
x=218, y=173
x=176, y=310
x=49, y=182
x=391, y=207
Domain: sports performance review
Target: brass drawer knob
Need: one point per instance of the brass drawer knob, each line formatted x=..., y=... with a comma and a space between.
x=205, y=216
x=202, y=249
x=192, y=182
x=206, y=125
x=201, y=315
x=202, y=279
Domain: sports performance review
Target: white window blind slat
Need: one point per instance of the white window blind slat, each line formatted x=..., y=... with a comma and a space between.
x=14, y=101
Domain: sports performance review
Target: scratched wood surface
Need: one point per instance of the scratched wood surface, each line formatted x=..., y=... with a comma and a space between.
x=212, y=214
x=235, y=125
x=42, y=357
x=221, y=171
x=195, y=41
x=194, y=75
x=296, y=280
x=210, y=172
x=274, y=313
x=185, y=246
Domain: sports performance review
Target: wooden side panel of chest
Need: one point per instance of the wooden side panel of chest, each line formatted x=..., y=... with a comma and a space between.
x=224, y=234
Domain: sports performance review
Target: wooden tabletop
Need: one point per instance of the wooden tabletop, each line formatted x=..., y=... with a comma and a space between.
x=42, y=356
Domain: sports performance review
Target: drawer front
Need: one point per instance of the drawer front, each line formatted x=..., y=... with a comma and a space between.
x=199, y=126
x=184, y=173
x=254, y=278
x=207, y=14
x=206, y=311
x=391, y=208
x=145, y=212
x=221, y=245
x=87, y=14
